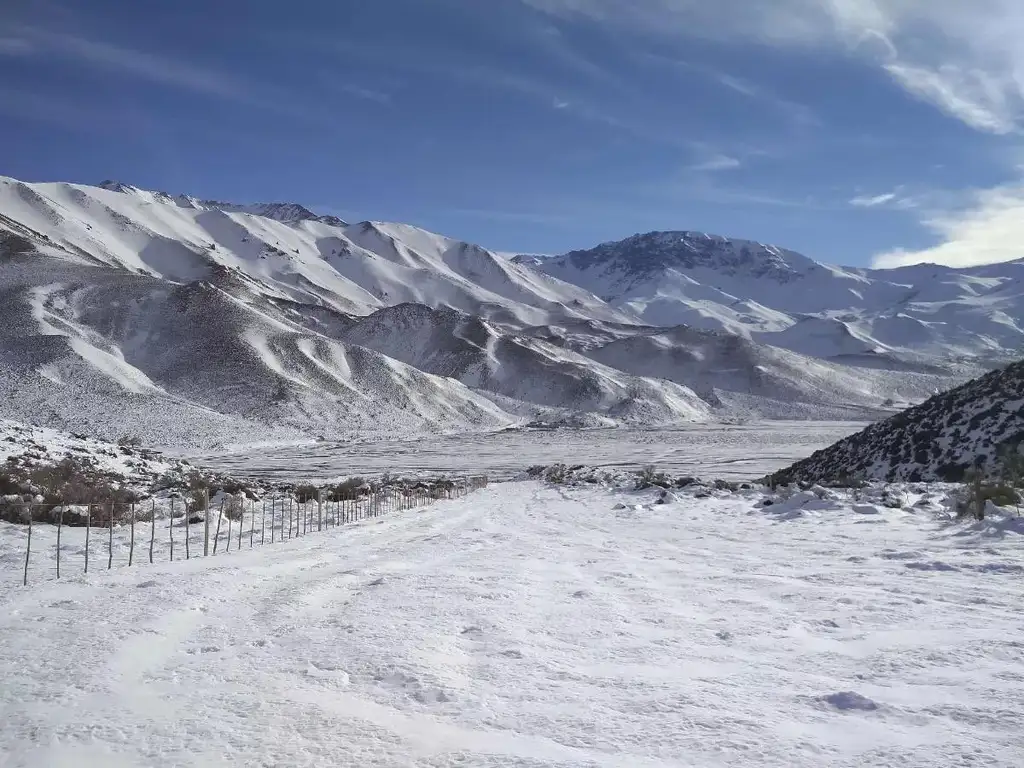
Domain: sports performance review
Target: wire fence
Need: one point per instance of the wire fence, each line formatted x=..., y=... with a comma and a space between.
x=60, y=539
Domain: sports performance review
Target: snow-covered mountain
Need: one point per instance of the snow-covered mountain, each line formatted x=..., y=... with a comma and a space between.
x=761, y=292
x=203, y=323
x=289, y=213
x=972, y=425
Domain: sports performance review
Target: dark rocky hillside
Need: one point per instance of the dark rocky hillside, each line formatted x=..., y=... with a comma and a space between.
x=939, y=440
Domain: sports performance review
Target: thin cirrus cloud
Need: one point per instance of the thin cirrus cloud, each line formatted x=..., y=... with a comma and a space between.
x=138, y=64
x=872, y=201
x=717, y=163
x=366, y=94
x=15, y=46
x=964, y=58
x=168, y=71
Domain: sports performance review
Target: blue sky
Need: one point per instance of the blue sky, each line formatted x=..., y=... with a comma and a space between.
x=856, y=131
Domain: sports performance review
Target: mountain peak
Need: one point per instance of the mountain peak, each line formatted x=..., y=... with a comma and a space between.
x=116, y=186
x=288, y=213
x=652, y=252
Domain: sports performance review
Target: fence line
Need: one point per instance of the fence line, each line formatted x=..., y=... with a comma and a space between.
x=332, y=510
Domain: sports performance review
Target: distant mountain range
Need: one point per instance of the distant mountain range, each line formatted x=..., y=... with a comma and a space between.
x=782, y=298
x=200, y=323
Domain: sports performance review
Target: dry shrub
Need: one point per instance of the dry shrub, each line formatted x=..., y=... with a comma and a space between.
x=234, y=507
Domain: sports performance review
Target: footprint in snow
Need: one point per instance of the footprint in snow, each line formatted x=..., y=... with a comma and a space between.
x=431, y=696
x=935, y=565
x=849, y=700
x=203, y=649
x=580, y=594
x=892, y=554
x=146, y=584
x=328, y=671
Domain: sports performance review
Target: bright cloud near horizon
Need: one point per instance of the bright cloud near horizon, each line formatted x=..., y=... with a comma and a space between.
x=867, y=132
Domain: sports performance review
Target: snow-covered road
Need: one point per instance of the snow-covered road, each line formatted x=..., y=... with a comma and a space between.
x=536, y=626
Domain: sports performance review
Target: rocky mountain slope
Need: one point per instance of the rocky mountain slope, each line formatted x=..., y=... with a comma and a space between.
x=206, y=324
x=761, y=292
x=939, y=440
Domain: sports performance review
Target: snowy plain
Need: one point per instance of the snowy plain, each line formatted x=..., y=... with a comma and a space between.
x=739, y=452
x=530, y=625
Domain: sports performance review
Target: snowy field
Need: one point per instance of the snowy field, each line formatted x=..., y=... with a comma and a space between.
x=540, y=626
x=726, y=451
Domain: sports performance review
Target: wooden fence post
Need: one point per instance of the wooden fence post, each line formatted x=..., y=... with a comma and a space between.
x=28, y=547
x=206, y=522
x=88, y=528
x=273, y=507
x=152, y=530
x=263, y=525
x=131, y=544
x=110, y=540
x=216, y=536
x=60, y=525
x=170, y=527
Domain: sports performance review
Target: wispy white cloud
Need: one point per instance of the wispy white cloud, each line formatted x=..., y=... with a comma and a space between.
x=902, y=199
x=987, y=230
x=963, y=57
x=15, y=46
x=137, y=64
x=173, y=72
x=366, y=94
x=873, y=201
x=717, y=163
x=972, y=96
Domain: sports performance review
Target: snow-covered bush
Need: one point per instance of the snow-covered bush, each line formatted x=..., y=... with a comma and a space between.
x=234, y=506
x=970, y=500
x=306, y=492
x=348, y=489
x=650, y=477
x=71, y=480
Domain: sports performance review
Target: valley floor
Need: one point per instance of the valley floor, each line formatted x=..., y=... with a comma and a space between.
x=706, y=450
x=527, y=625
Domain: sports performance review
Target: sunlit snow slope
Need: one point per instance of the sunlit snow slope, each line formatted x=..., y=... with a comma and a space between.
x=204, y=324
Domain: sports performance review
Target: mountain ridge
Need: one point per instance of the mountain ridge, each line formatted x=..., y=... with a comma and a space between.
x=221, y=325
x=763, y=292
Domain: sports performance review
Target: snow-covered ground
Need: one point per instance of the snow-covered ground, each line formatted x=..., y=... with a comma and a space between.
x=527, y=625
x=716, y=450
